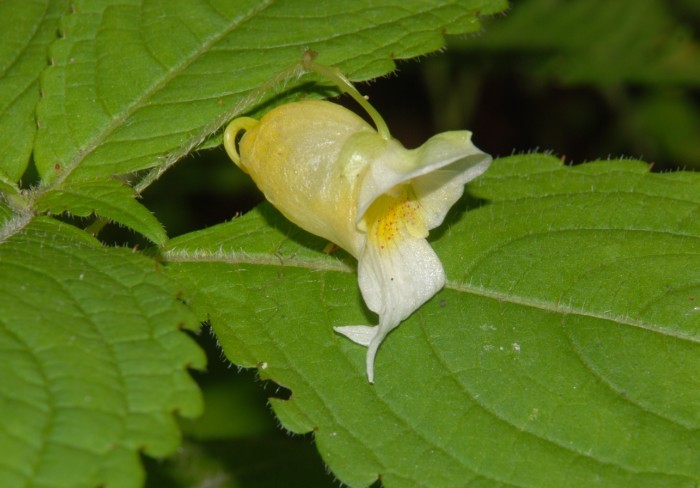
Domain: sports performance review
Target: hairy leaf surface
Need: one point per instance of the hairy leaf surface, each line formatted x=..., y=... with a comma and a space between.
x=107, y=95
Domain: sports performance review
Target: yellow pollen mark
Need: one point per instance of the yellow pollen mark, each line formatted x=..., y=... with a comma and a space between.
x=390, y=217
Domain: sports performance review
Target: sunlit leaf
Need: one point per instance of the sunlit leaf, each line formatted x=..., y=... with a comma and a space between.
x=93, y=359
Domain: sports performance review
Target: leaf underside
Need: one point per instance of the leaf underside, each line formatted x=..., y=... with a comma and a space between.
x=564, y=349
x=109, y=199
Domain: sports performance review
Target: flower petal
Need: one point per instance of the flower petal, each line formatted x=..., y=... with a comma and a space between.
x=395, y=281
x=438, y=190
x=359, y=334
x=294, y=156
x=452, y=152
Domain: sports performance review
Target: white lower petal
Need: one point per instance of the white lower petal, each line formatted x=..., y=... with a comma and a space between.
x=369, y=336
x=397, y=280
x=360, y=334
x=394, y=283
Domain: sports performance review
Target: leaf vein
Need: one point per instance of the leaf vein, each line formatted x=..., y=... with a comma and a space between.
x=139, y=102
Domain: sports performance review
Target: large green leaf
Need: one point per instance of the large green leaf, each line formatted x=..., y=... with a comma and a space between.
x=148, y=78
x=564, y=350
x=27, y=26
x=93, y=360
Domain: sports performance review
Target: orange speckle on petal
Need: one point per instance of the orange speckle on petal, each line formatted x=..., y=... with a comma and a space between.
x=393, y=217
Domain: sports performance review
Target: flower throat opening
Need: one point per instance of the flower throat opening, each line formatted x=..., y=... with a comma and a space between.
x=394, y=216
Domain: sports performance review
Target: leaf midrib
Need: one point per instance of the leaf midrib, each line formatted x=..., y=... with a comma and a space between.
x=335, y=265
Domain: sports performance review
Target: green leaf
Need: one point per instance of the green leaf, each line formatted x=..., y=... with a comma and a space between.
x=564, y=350
x=191, y=63
x=108, y=198
x=93, y=361
x=27, y=29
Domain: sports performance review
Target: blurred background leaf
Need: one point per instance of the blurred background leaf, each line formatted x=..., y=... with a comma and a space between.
x=584, y=78
x=238, y=441
x=250, y=463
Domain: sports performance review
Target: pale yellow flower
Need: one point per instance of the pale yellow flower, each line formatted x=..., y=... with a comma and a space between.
x=332, y=174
